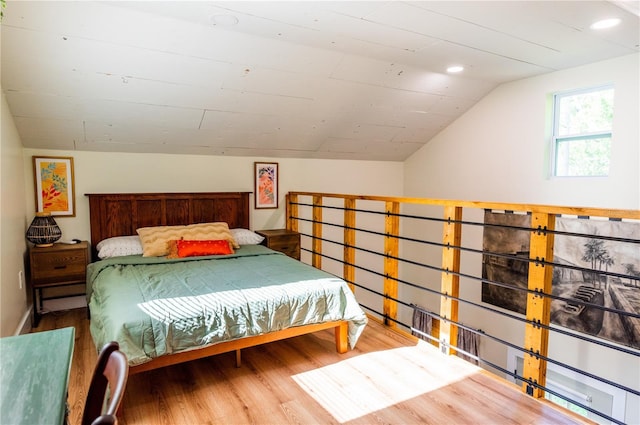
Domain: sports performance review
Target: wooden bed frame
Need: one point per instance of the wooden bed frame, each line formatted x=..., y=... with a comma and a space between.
x=120, y=214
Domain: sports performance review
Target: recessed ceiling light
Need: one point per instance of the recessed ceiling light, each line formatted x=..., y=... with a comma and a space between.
x=605, y=23
x=455, y=68
x=224, y=20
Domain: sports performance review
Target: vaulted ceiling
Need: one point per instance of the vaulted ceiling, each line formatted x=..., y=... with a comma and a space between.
x=308, y=79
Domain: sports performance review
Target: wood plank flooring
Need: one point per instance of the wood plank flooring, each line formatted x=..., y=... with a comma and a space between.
x=387, y=379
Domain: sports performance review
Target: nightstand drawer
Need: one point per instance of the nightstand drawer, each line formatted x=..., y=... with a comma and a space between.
x=286, y=244
x=289, y=246
x=58, y=266
x=282, y=240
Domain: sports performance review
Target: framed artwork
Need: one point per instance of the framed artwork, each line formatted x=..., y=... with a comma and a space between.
x=577, y=281
x=266, y=184
x=54, y=189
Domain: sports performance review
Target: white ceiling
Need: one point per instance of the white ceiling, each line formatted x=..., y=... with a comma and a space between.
x=308, y=79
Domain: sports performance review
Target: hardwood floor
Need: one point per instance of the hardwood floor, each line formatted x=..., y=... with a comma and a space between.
x=387, y=379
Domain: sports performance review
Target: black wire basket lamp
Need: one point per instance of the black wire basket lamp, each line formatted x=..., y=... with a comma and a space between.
x=44, y=230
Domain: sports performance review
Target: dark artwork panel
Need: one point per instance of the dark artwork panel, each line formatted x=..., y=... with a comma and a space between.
x=605, y=255
x=510, y=244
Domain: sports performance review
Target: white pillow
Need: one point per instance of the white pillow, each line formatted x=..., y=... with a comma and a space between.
x=119, y=246
x=246, y=237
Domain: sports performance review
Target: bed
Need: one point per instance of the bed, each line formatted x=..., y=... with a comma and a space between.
x=165, y=311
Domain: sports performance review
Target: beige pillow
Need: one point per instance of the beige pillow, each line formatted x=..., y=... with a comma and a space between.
x=154, y=239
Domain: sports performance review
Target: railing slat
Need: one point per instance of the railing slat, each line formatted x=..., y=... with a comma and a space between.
x=316, y=245
x=536, y=338
x=450, y=283
x=391, y=249
x=349, y=271
x=291, y=211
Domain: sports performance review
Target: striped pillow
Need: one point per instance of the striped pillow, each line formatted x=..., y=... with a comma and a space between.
x=154, y=239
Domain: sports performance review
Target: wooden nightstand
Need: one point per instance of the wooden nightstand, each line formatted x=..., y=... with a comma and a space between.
x=57, y=265
x=283, y=240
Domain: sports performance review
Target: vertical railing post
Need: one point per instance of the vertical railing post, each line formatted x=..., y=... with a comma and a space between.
x=316, y=243
x=536, y=337
x=450, y=283
x=391, y=251
x=349, y=271
x=292, y=212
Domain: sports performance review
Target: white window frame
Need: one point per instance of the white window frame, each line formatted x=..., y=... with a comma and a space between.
x=555, y=138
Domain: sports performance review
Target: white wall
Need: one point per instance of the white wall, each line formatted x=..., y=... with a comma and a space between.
x=99, y=172
x=499, y=151
x=13, y=225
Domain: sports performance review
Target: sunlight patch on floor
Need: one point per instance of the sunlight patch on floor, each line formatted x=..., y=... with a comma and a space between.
x=364, y=384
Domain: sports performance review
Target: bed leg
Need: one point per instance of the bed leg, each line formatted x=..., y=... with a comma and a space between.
x=238, y=358
x=342, y=342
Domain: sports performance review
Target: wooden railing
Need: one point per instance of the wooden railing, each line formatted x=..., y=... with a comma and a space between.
x=307, y=212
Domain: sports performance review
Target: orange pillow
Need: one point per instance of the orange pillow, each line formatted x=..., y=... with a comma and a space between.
x=197, y=248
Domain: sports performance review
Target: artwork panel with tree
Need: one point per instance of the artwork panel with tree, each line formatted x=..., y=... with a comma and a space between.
x=589, y=272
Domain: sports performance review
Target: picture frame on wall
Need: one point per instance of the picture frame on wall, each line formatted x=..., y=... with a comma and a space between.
x=266, y=185
x=54, y=185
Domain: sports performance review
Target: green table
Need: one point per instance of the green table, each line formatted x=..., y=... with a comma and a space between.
x=34, y=377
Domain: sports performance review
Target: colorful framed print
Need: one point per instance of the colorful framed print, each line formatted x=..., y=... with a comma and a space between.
x=266, y=182
x=53, y=179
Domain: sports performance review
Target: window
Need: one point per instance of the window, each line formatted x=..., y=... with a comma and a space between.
x=582, y=122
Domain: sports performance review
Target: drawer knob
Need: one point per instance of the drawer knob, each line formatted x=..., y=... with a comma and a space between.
x=59, y=267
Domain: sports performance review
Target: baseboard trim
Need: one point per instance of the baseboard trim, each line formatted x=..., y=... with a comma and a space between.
x=25, y=323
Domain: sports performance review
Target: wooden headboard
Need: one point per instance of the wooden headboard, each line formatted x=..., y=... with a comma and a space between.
x=120, y=214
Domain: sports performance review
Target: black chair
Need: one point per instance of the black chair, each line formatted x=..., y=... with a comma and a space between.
x=111, y=372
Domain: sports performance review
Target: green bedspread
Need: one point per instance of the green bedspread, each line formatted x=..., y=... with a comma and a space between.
x=154, y=306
